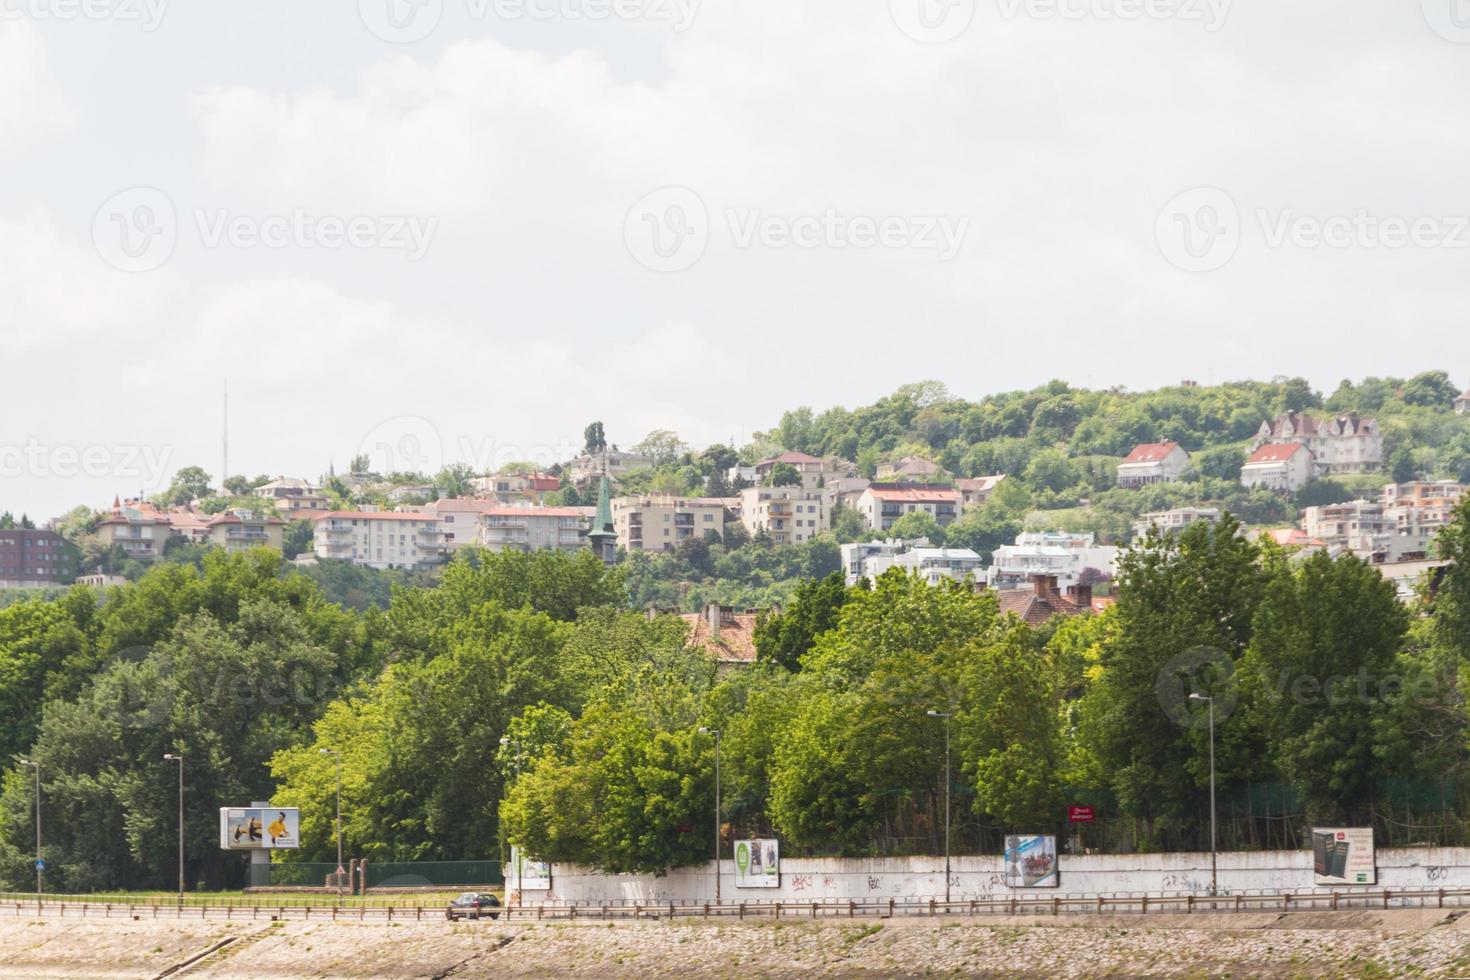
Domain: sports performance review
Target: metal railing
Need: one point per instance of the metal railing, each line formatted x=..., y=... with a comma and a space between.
x=361, y=910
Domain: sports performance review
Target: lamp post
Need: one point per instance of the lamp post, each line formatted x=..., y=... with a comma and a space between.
x=340, y=870
x=946, y=716
x=40, y=865
x=1214, y=871
x=716, y=734
x=175, y=757
x=510, y=743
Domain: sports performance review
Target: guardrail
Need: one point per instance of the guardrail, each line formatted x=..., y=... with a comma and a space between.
x=61, y=907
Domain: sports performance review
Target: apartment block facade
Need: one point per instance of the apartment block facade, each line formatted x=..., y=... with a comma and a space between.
x=35, y=558
x=655, y=522
x=790, y=515
x=379, y=539
x=882, y=504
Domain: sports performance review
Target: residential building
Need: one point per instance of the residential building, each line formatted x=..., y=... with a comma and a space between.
x=1283, y=467
x=855, y=556
x=585, y=470
x=1057, y=554
x=379, y=539
x=935, y=565
x=727, y=635
x=34, y=558
x=976, y=492
x=534, y=529
x=814, y=472
x=845, y=491
x=1408, y=577
x=1153, y=462
x=1173, y=521
x=294, y=498
x=137, y=528
x=1296, y=541
x=410, y=492
x=101, y=580
x=790, y=515
x=459, y=520
x=241, y=530
x=740, y=474
x=512, y=488
x=882, y=504
x=1043, y=599
x=1462, y=404
x=911, y=469
x=1339, y=444
x=1362, y=527
x=659, y=522
x=1421, y=510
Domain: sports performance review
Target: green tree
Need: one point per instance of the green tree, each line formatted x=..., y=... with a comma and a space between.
x=785, y=475
x=784, y=638
x=918, y=524
x=594, y=439
x=189, y=483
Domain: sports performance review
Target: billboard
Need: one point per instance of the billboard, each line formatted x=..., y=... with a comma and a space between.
x=273, y=828
x=1031, y=862
x=757, y=864
x=528, y=874
x=1344, y=856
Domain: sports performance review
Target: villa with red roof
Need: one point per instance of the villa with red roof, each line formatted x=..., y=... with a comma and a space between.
x=1153, y=462
x=1283, y=467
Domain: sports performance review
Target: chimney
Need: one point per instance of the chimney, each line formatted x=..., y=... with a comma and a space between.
x=1081, y=596
x=714, y=614
x=1045, y=585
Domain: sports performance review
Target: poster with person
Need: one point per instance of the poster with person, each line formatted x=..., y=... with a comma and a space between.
x=757, y=864
x=260, y=828
x=1031, y=862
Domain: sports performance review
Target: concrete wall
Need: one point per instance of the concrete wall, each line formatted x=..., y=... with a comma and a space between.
x=821, y=879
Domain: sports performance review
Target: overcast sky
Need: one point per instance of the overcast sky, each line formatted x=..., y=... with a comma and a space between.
x=458, y=230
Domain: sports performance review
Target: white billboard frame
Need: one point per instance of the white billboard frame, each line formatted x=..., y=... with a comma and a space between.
x=263, y=828
x=1020, y=861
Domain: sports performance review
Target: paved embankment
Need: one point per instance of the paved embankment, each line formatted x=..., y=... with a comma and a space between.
x=1344, y=944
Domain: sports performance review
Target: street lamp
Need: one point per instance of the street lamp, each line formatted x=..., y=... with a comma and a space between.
x=946, y=715
x=1214, y=880
x=40, y=864
x=716, y=734
x=174, y=757
x=510, y=743
x=340, y=870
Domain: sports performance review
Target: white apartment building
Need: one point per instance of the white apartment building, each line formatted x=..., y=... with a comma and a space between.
x=882, y=504
x=872, y=558
x=1421, y=510
x=1360, y=526
x=790, y=515
x=1282, y=467
x=1153, y=462
x=379, y=539
x=295, y=498
x=1057, y=554
x=856, y=555
x=657, y=522
x=534, y=528
x=1174, y=521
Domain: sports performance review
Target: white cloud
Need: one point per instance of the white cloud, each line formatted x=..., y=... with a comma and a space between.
x=32, y=105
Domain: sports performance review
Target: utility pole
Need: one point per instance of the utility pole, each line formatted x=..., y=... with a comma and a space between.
x=716, y=734
x=1214, y=858
x=946, y=715
x=340, y=870
x=509, y=743
x=173, y=757
x=40, y=864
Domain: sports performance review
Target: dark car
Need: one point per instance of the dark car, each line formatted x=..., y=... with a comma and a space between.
x=471, y=906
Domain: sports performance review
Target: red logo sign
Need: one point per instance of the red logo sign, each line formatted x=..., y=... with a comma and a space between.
x=1081, y=814
x=685, y=828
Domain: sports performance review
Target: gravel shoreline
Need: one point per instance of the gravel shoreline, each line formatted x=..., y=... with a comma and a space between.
x=1388, y=944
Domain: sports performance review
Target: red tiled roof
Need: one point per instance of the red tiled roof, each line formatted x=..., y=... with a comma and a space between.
x=1276, y=453
x=1036, y=610
x=914, y=494
x=1151, y=452
x=736, y=644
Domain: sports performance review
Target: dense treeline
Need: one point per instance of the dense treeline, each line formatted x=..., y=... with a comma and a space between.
x=1328, y=691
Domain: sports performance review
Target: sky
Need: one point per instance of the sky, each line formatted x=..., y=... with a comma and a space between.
x=444, y=231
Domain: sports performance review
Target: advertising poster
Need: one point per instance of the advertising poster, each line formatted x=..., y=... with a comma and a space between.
x=260, y=828
x=1031, y=862
x=1344, y=856
x=757, y=864
x=528, y=874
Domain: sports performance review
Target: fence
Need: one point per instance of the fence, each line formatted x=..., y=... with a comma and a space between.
x=418, y=874
x=1133, y=905
x=289, y=874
